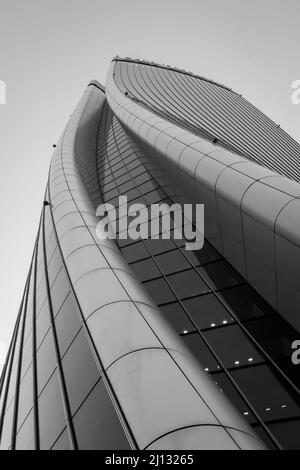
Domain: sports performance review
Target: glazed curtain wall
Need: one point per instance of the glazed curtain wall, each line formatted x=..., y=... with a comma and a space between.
x=206, y=301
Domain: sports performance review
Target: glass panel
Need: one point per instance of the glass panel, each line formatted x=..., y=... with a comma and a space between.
x=245, y=303
x=220, y=275
x=206, y=255
x=267, y=393
x=187, y=284
x=207, y=311
x=159, y=246
x=287, y=434
x=233, y=346
x=135, y=252
x=96, y=424
x=172, y=262
x=274, y=334
x=177, y=317
x=231, y=392
x=201, y=352
x=160, y=291
x=145, y=270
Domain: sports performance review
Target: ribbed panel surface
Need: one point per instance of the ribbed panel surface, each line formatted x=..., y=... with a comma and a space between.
x=211, y=110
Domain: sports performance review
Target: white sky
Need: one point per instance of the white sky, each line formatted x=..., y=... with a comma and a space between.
x=50, y=50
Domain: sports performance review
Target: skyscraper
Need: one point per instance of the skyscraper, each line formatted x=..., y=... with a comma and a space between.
x=142, y=344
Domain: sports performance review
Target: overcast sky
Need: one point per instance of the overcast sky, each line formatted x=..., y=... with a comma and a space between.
x=51, y=49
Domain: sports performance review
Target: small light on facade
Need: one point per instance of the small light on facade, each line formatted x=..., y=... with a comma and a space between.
x=225, y=322
x=283, y=406
x=268, y=409
x=237, y=363
x=213, y=325
x=206, y=370
x=246, y=413
x=250, y=359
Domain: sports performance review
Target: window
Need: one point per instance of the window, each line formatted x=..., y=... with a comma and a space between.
x=287, y=434
x=172, y=262
x=267, y=393
x=220, y=275
x=233, y=395
x=145, y=270
x=187, y=284
x=245, y=303
x=135, y=252
x=196, y=344
x=207, y=311
x=177, y=317
x=233, y=346
x=160, y=291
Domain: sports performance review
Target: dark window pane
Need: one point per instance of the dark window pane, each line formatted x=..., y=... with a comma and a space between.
x=81, y=371
x=201, y=352
x=264, y=389
x=51, y=413
x=97, y=425
x=287, y=434
x=206, y=311
x=220, y=275
x=177, y=317
x=145, y=270
x=234, y=396
x=159, y=246
x=264, y=437
x=160, y=291
x=245, y=303
x=233, y=346
x=187, y=284
x=135, y=252
x=274, y=334
x=172, y=262
x=206, y=255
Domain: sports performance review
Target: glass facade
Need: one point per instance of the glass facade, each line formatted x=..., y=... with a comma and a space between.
x=105, y=329
x=241, y=342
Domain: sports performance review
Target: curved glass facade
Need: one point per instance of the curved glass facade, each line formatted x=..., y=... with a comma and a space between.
x=140, y=344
